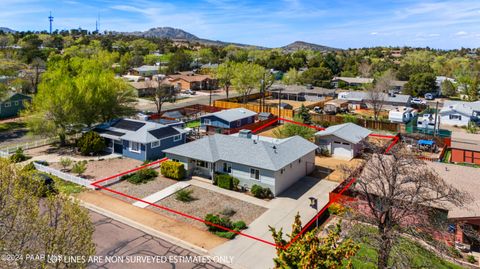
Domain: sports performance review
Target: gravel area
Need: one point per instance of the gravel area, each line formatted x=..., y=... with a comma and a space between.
x=104, y=168
x=205, y=202
x=139, y=191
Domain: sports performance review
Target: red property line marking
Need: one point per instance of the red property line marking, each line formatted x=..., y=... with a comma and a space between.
x=336, y=197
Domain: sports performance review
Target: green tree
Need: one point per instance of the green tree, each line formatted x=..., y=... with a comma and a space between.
x=79, y=167
x=420, y=84
x=292, y=77
x=304, y=114
x=225, y=74
x=310, y=251
x=247, y=77
x=317, y=76
x=291, y=129
x=180, y=61
x=448, y=88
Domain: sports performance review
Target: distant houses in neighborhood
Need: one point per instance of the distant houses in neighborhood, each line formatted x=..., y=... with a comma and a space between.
x=223, y=121
x=358, y=99
x=459, y=113
x=300, y=92
x=350, y=81
x=146, y=70
x=271, y=163
x=141, y=140
x=12, y=103
x=192, y=81
x=344, y=141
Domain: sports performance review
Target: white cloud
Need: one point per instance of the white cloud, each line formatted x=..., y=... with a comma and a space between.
x=461, y=33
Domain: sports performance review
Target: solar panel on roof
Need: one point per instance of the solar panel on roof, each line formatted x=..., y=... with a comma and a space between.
x=164, y=132
x=103, y=131
x=128, y=125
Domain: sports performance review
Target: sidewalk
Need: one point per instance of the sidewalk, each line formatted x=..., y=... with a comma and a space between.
x=173, y=230
x=251, y=253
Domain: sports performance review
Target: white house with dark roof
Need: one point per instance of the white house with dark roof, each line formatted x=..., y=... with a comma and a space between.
x=141, y=140
x=459, y=113
x=272, y=163
x=342, y=141
x=358, y=99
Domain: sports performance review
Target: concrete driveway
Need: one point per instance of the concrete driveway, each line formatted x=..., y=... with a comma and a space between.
x=250, y=253
x=113, y=238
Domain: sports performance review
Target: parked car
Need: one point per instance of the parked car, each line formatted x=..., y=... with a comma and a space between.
x=429, y=96
x=418, y=101
x=190, y=92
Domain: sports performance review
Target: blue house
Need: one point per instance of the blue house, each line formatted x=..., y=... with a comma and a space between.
x=141, y=140
x=225, y=120
x=12, y=103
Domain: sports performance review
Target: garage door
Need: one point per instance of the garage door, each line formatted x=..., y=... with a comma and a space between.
x=340, y=149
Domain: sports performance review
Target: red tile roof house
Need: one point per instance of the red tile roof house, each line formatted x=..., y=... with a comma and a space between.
x=465, y=148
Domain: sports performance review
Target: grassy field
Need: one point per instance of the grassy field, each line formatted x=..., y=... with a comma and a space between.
x=7, y=126
x=415, y=255
x=193, y=124
x=66, y=187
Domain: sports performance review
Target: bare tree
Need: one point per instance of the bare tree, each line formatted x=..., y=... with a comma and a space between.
x=365, y=69
x=164, y=92
x=398, y=194
x=377, y=94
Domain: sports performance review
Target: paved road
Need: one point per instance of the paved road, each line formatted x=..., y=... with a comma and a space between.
x=115, y=239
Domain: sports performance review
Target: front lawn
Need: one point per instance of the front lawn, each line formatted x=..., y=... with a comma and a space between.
x=66, y=187
x=409, y=253
x=193, y=124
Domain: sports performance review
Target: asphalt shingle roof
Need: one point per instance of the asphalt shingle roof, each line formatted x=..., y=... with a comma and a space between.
x=348, y=131
x=465, y=108
x=251, y=152
x=232, y=114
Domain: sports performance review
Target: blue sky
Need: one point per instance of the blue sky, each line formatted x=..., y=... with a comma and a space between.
x=339, y=23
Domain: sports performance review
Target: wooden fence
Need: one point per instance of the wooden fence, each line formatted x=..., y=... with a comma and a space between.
x=370, y=124
x=64, y=176
x=284, y=113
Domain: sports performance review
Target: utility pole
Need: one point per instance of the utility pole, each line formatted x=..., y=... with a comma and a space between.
x=50, y=18
x=262, y=92
x=279, y=102
x=435, y=120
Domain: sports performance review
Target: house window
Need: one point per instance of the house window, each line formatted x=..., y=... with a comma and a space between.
x=177, y=138
x=134, y=147
x=8, y=104
x=15, y=103
x=254, y=173
x=227, y=168
x=300, y=160
x=201, y=164
x=155, y=144
x=282, y=170
x=336, y=142
x=175, y=160
x=455, y=117
x=239, y=123
x=207, y=121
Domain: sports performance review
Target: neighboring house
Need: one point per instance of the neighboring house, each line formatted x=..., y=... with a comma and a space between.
x=335, y=106
x=300, y=93
x=342, y=141
x=465, y=148
x=273, y=163
x=351, y=82
x=439, y=80
x=222, y=121
x=397, y=85
x=358, y=99
x=265, y=116
x=174, y=114
x=146, y=70
x=145, y=88
x=192, y=81
x=141, y=140
x=12, y=103
x=459, y=113
x=285, y=106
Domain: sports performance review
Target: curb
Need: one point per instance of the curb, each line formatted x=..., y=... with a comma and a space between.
x=144, y=228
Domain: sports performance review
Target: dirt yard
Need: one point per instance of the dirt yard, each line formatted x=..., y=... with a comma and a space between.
x=98, y=169
x=336, y=167
x=139, y=191
x=294, y=104
x=269, y=131
x=205, y=202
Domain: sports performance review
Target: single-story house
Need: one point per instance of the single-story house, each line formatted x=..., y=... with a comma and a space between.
x=285, y=106
x=141, y=140
x=335, y=106
x=145, y=88
x=358, y=99
x=191, y=81
x=351, y=81
x=12, y=103
x=459, y=113
x=174, y=114
x=146, y=70
x=465, y=148
x=272, y=163
x=265, y=116
x=222, y=121
x=397, y=85
x=299, y=92
x=342, y=141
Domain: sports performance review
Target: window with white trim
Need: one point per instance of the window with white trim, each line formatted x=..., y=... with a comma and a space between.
x=255, y=174
x=177, y=138
x=8, y=104
x=134, y=147
x=207, y=121
x=455, y=117
x=155, y=144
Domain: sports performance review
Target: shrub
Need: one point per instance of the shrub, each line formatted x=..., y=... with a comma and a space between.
x=142, y=176
x=184, y=195
x=225, y=234
x=239, y=225
x=260, y=192
x=79, y=167
x=471, y=259
x=65, y=162
x=228, y=211
x=226, y=181
x=18, y=156
x=29, y=167
x=454, y=252
x=173, y=170
x=337, y=209
x=224, y=222
x=91, y=143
